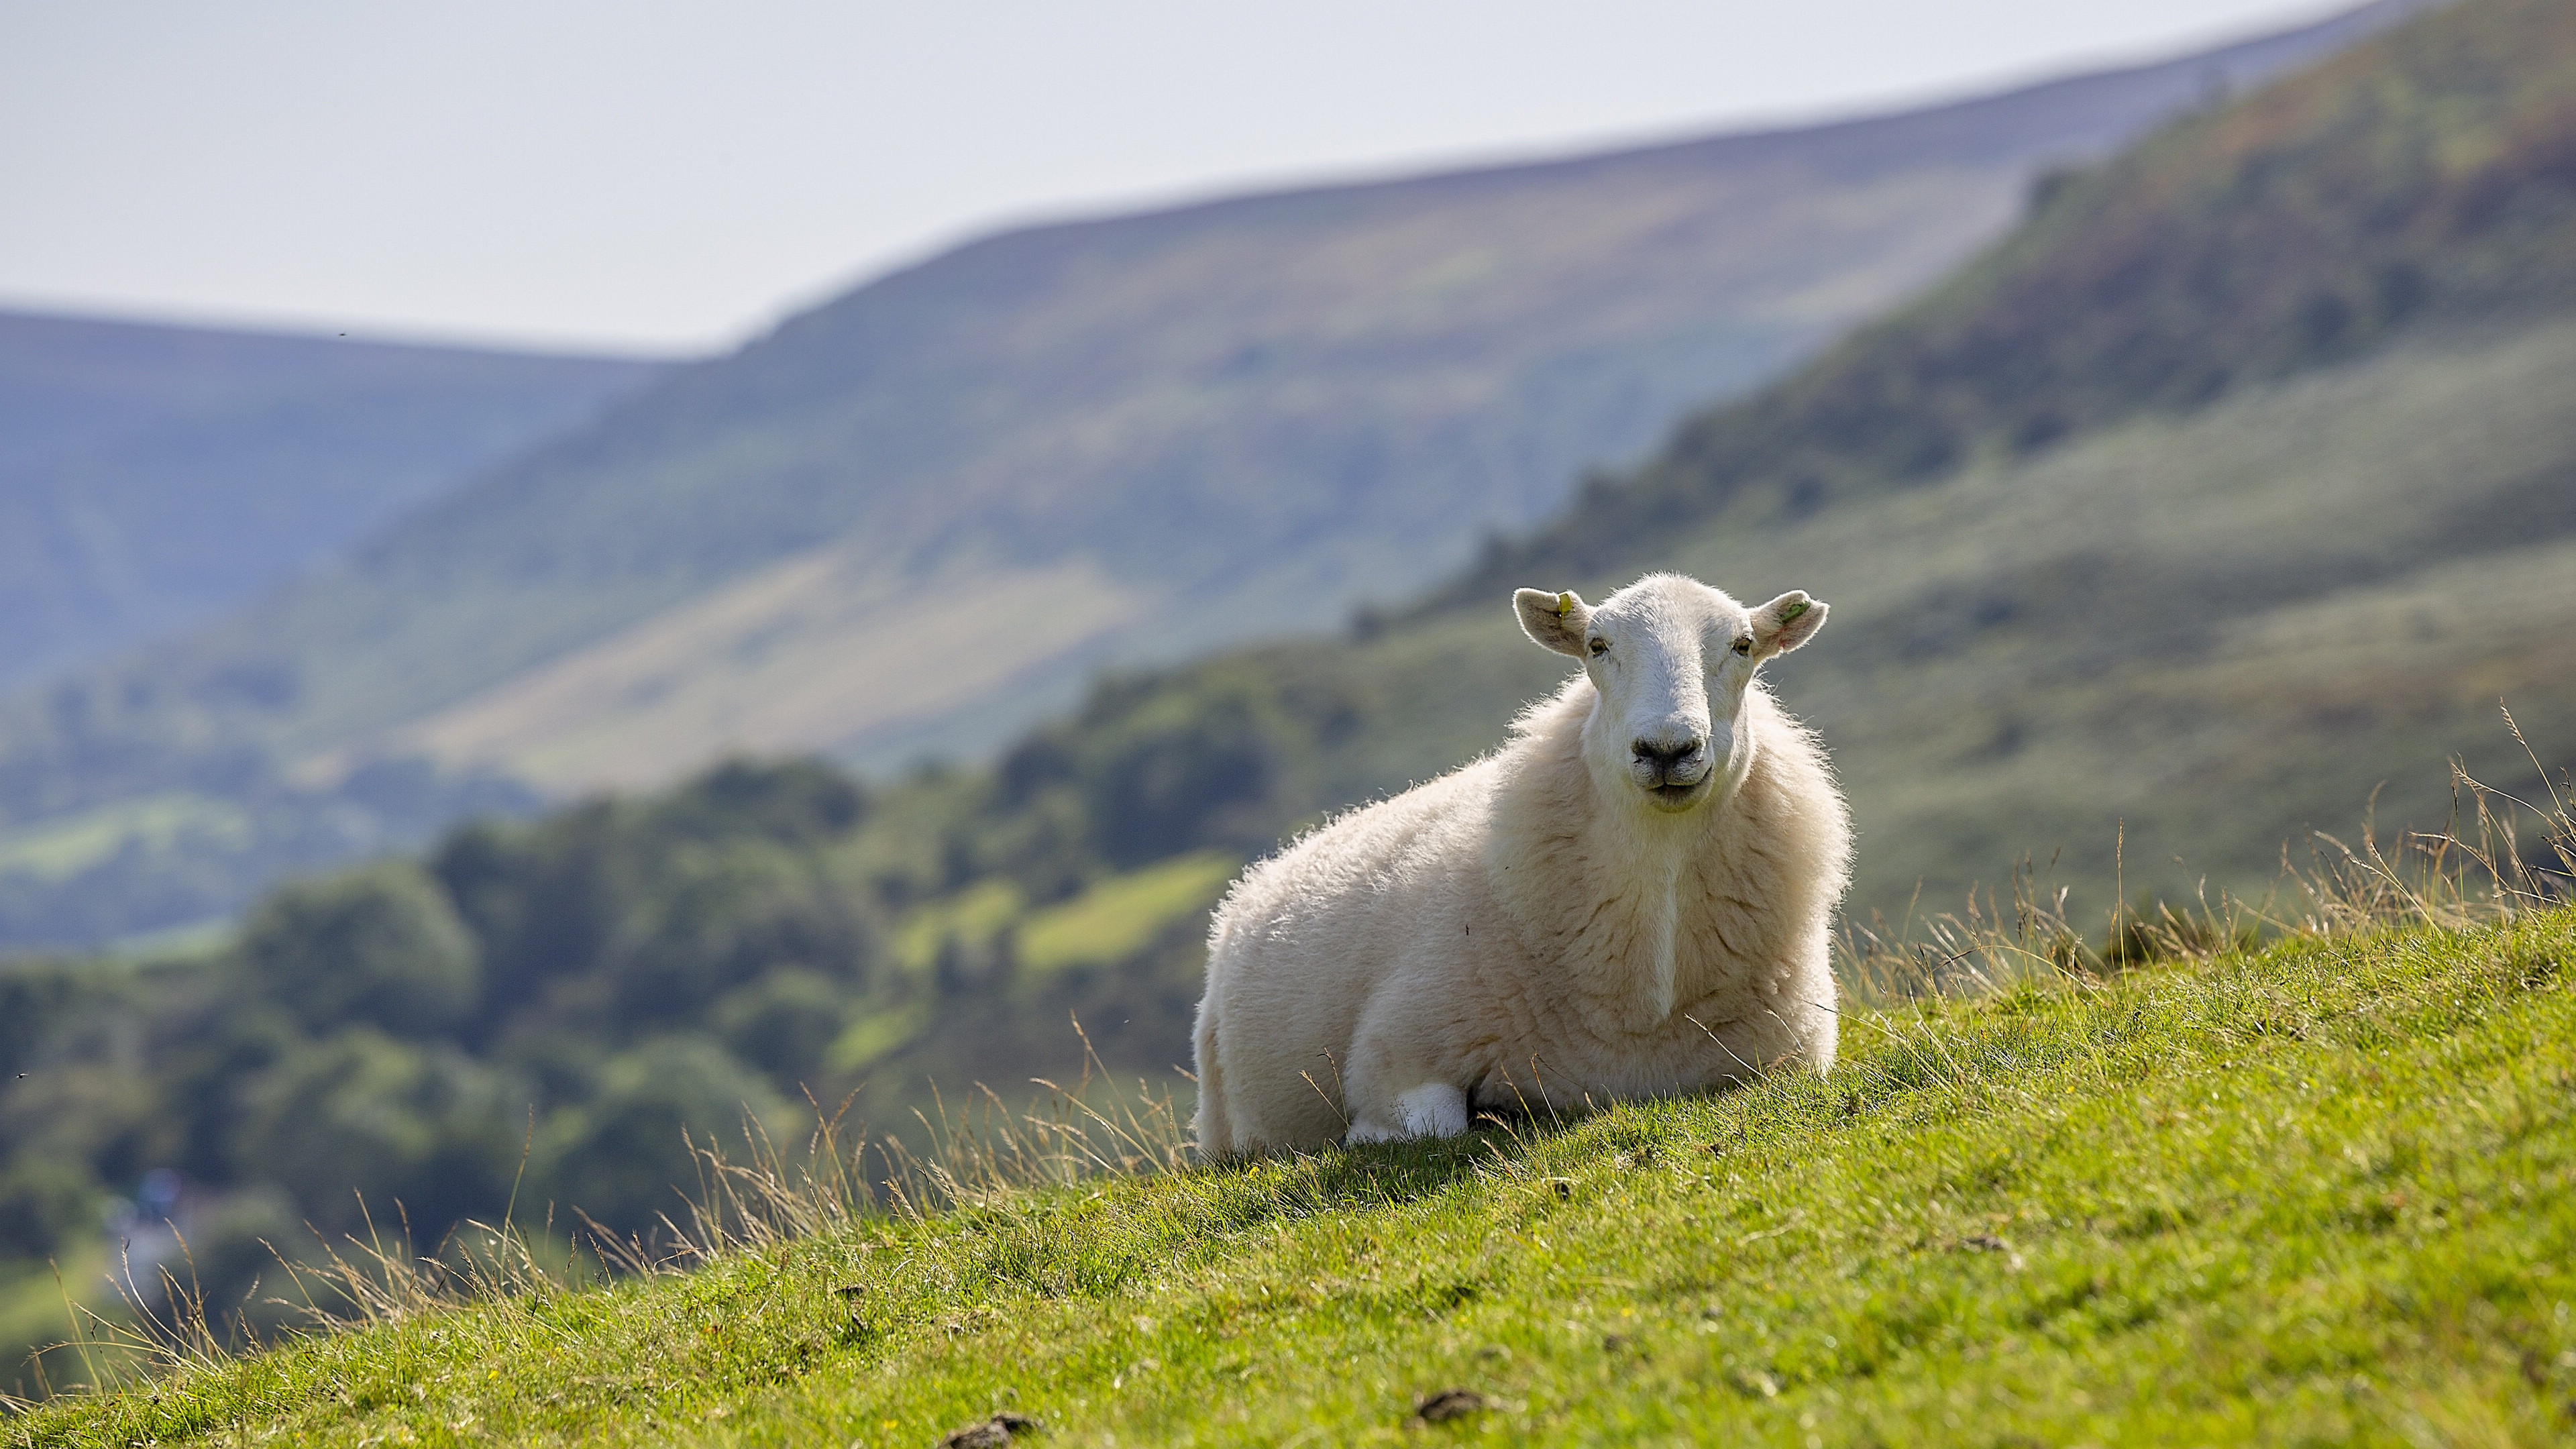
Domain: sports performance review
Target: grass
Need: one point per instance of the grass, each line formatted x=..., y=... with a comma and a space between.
x=1107, y=923
x=58, y=849
x=1119, y=917
x=2325, y=1191
x=975, y=916
x=31, y=1298
x=2179, y=1189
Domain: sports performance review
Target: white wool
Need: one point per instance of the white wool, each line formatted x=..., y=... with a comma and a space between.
x=1543, y=926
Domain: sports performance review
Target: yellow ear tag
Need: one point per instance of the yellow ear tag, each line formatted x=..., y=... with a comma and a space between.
x=1564, y=605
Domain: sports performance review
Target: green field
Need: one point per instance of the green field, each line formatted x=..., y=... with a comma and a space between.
x=1121, y=916
x=2324, y=1192
x=65, y=847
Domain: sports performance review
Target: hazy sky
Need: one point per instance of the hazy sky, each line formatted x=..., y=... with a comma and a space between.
x=643, y=175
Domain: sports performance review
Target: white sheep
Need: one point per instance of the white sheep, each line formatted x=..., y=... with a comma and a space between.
x=1632, y=898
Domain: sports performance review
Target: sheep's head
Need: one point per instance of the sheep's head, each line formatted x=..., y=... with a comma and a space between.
x=1669, y=658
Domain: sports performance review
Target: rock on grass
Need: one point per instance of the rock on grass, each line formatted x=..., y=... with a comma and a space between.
x=990, y=1433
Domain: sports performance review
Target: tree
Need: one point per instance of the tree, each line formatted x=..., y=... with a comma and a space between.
x=380, y=947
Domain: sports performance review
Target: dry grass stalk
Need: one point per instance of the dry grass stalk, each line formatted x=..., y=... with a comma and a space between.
x=2500, y=856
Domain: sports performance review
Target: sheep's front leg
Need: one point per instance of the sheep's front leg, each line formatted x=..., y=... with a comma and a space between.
x=1434, y=1109
x=1398, y=1083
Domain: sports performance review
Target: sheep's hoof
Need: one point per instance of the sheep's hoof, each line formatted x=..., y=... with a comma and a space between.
x=1433, y=1110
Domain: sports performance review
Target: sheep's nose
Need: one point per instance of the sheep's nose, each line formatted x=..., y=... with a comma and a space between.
x=1664, y=755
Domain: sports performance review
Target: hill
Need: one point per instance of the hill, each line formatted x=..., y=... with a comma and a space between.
x=2424, y=178
x=2218, y=621
x=1234, y=419
x=2317, y=1194
x=154, y=478
x=2069, y=588
x=1236, y=416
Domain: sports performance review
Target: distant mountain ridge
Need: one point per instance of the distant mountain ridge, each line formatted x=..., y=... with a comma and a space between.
x=153, y=476
x=2308, y=226
x=1103, y=443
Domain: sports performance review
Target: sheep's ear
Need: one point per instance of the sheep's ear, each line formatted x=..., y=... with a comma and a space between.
x=1555, y=621
x=1785, y=623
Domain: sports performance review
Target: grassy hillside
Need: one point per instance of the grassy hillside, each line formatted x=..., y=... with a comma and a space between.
x=1112, y=441
x=2224, y=629
x=155, y=478
x=2319, y=1193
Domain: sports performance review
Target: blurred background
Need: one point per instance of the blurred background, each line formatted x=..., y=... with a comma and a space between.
x=571, y=570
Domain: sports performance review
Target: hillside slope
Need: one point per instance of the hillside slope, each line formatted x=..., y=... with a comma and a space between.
x=153, y=478
x=1120, y=440
x=2425, y=177
x=1233, y=418
x=2321, y=1194
x=2224, y=629
x=2225, y=614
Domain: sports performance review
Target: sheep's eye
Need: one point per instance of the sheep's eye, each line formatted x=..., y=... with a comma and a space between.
x=1600, y=646
x=1743, y=646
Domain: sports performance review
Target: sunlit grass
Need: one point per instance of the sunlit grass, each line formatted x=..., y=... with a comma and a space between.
x=1119, y=916
x=56, y=849
x=2322, y=1191
x=973, y=916
x=2179, y=1189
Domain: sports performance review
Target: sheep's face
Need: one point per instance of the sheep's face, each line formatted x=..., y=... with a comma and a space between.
x=1669, y=659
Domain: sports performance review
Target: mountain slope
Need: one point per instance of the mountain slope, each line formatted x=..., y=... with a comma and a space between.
x=2427, y=177
x=1233, y=418
x=153, y=478
x=1116, y=440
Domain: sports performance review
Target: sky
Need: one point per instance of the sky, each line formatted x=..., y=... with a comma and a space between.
x=662, y=178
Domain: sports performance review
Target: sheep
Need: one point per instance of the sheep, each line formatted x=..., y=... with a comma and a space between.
x=1630, y=898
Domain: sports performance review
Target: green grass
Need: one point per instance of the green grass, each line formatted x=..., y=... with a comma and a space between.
x=1120, y=916
x=1107, y=923
x=2325, y=1192
x=58, y=849
x=31, y=1299
x=974, y=916
x=875, y=1035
